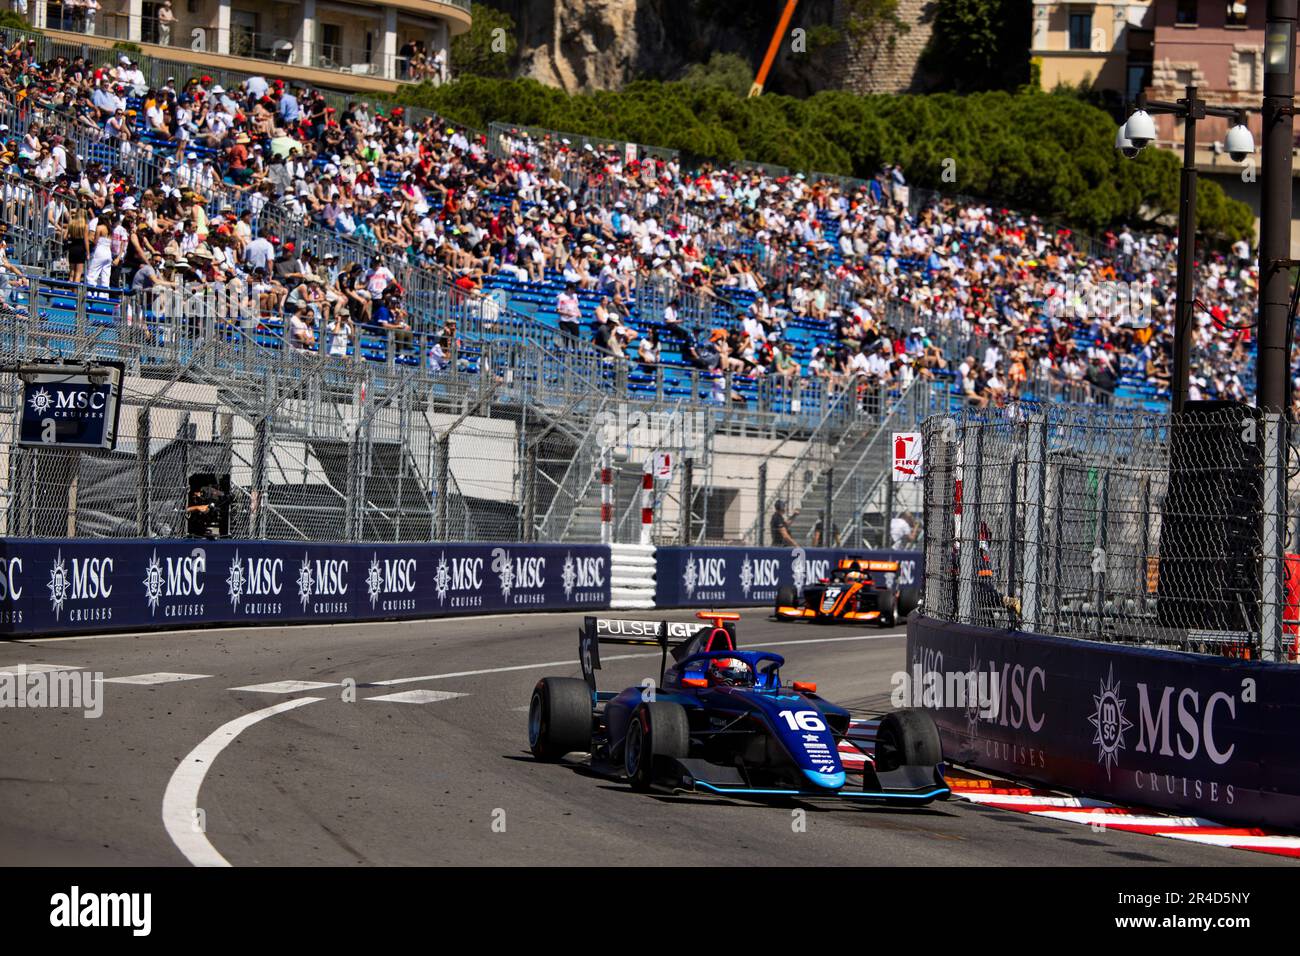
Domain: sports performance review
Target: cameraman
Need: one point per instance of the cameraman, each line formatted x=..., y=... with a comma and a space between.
x=203, y=514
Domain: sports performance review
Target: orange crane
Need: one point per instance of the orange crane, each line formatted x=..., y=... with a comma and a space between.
x=772, y=48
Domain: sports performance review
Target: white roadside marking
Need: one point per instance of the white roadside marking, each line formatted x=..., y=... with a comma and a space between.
x=38, y=668
x=181, y=800
x=1224, y=839
x=161, y=677
x=608, y=657
x=287, y=686
x=1017, y=799
x=417, y=696
x=502, y=670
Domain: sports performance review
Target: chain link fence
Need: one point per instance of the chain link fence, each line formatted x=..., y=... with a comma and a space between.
x=1113, y=525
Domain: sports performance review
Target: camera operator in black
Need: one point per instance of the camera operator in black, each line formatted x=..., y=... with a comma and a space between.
x=203, y=514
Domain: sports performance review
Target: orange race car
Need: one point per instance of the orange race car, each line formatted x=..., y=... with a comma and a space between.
x=859, y=590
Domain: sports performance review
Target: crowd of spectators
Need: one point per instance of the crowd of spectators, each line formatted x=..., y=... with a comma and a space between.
x=756, y=275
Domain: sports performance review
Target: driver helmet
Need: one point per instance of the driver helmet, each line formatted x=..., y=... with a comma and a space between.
x=730, y=672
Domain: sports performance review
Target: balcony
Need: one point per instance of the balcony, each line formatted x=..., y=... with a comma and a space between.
x=346, y=45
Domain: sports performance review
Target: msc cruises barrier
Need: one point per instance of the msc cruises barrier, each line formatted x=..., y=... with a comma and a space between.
x=739, y=577
x=1192, y=733
x=69, y=585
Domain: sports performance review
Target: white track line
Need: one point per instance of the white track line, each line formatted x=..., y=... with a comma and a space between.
x=606, y=657
x=253, y=628
x=420, y=696
x=287, y=686
x=181, y=800
x=160, y=677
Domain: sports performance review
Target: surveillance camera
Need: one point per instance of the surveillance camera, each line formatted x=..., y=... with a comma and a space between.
x=1140, y=129
x=1125, y=145
x=1239, y=143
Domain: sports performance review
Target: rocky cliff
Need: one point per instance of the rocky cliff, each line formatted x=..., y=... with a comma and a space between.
x=602, y=44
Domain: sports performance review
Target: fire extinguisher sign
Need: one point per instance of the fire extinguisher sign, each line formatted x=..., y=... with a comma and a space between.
x=908, y=463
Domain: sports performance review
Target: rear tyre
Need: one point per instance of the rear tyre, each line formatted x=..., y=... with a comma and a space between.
x=559, y=717
x=908, y=599
x=657, y=729
x=787, y=596
x=907, y=737
x=888, y=604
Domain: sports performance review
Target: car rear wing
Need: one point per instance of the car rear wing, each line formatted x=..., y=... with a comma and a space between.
x=662, y=634
x=866, y=564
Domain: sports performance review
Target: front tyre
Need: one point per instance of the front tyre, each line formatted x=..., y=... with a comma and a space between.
x=786, y=596
x=657, y=729
x=907, y=738
x=559, y=717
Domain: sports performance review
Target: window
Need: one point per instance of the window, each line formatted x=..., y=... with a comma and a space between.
x=1236, y=14
x=1081, y=30
x=1185, y=13
x=1139, y=78
x=1248, y=77
x=331, y=45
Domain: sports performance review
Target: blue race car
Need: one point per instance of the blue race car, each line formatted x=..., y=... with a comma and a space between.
x=721, y=720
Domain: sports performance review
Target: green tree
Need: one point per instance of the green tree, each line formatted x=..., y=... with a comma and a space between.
x=490, y=46
x=979, y=45
x=727, y=71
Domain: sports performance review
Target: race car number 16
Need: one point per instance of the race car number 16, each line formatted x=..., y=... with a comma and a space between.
x=802, y=720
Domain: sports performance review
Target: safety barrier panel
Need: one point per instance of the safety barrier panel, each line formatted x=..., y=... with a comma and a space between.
x=1209, y=736
x=739, y=577
x=69, y=585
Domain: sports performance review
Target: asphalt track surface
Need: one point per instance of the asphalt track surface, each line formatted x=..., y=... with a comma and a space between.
x=393, y=782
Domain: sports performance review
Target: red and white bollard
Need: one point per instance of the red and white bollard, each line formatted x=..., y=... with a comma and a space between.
x=647, y=501
x=607, y=496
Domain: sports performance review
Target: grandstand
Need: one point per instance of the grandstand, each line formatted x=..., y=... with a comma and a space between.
x=425, y=280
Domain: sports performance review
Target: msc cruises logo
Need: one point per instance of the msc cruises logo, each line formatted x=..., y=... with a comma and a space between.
x=153, y=582
x=41, y=401
x=59, y=585
x=235, y=582
x=304, y=581
x=1109, y=722
x=374, y=580
x=442, y=578
x=568, y=576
